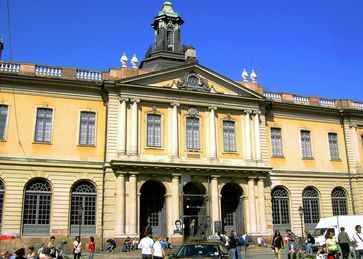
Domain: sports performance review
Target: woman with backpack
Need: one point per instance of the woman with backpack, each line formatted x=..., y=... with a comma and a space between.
x=277, y=244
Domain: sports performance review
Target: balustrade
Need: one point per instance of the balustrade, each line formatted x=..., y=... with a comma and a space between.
x=88, y=75
x=10, y=67
x=48, y=71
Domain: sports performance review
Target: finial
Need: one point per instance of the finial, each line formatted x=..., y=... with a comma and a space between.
x=245, y=75
x=168, y=7
x=124, y=60
x=253, y=76
x=134, y=61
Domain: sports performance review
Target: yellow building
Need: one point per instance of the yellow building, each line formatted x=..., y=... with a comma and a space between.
x=170, y=140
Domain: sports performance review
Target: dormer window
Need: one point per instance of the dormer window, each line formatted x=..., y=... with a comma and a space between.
x=170, y=38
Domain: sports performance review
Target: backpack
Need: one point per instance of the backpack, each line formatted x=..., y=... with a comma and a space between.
x=240, y=241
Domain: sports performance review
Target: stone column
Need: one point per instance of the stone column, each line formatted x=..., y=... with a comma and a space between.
x=175, y=201
x=355, y=141
x=132, y=207
x=214, y=201
x=212, y=133
x=174, y=131
x=256, y=120
x=248, y=142
x=120, y=204
x=261, y=205
x=134, y=128
x=251, y=204
x=122, y=127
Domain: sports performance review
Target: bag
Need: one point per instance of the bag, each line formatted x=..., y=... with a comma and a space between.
x=240, y=241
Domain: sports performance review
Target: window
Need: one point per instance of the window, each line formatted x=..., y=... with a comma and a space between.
x=280, y=208
x=3, y=120
x=276, y=142
x=2, y=192
x=153, y=130
x=87, y=128
x=311, y=207
x=83, y=197
x=193, y=138
x=170, y=36
x=38, y=194
x=306, y=144
x=333, y=146
x=229, y=138
x=43, y=127
x=339, y=202
x=193, y=81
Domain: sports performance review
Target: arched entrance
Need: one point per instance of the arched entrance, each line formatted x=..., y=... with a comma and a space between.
x=196, y=218
x=232, y=208
x=153, y=208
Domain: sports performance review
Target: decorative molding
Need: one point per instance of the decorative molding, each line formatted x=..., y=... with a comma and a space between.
x=212, y=108
x=193, y=82
x=124, y=99
x=135, y=100
x=175, y=104
x=193, y=112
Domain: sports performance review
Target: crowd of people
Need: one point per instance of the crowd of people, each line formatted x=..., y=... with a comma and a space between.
x=156, y=247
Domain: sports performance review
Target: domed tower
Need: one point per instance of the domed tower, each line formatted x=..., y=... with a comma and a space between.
x=167, y=51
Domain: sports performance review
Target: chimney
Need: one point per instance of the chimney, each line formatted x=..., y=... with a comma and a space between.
x=191, y=55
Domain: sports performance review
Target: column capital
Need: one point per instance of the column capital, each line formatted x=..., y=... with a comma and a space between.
x=256, y=112
x=133, y=173
x=252, y=178
x=353, y=125
x=215, y=176
x=176, y=175
x=118, y=172
x=261, y=178
x=175, y=104
x=124, y=99
x=212, y=108
x=135, y=100
x=247, y=111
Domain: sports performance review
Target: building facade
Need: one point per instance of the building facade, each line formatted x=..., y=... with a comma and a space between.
x=112, y=153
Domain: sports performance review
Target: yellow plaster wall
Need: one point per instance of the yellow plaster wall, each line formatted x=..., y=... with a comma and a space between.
x=65, y=127
x=291, y=145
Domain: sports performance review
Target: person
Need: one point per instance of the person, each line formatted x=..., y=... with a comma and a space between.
x=178, y=227
x=111, y=245
x=31, y=253
x=127, y=245
x=158, y=249
x=260, y=241
x=290, y=241
x=310, y=241
x=51, y=246
x=331, y=246
x=248, y=240
x=277, y=244
x=192, y=227
x=234, y=246
x=77, y=248
x=91, y=247
x=40, y=250
x=146, y=245
x=344, y=242
x=357, y=241
x=20, y=253
x=134, y=243
x=45, y=254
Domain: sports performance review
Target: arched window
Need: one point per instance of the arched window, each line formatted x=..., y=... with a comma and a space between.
x=83, y=208
x=280, y=208
x=311, y=207
x=37, y=206
x=339, y=202
x=2, y=192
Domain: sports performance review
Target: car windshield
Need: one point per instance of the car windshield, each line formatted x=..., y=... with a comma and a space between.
x=318, y=232
x=199, y=250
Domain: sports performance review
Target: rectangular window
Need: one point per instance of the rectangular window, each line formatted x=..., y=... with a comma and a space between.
x=87, y=128
x=333, y=146
x=193, y=133
x=306, y=144
x=3, y=119
x=276, y=142
x=43, y=127
x=153, y=130
x=229, y=138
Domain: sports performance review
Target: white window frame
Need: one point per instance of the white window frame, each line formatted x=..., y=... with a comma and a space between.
x=79, y=128
x=6, y=123
x=282, y=144
x=235, y=135
x=311, y=145
x=330, y=154
x=161, y=129
x=200, y=134
x=35, y=124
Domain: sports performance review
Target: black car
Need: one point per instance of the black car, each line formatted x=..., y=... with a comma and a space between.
x=202, y=249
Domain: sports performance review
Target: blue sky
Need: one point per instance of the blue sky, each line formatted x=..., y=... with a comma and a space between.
x=310, y=47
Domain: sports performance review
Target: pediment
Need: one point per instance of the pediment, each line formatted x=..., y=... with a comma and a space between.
x=193, y=78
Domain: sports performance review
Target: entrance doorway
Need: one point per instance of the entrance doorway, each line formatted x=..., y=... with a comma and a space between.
x=196, y=218
x=152, y=208
x=232, y=208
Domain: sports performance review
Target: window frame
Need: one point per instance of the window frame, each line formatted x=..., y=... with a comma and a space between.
x=288, y=200
x=50, y=142
x=2, y=193
x=311, y=145
x=6, y=125
x=337, y=146
x=79, y=128
x=307, y=199
x=339, y=201
x=234, y=133
x=161, y=130
x=281, y=143
x=200, y=133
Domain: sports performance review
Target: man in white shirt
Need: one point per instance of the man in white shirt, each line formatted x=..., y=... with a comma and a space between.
x=146, y=245
x=358, y=242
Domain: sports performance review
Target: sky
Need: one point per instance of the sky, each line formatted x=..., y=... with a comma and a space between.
x=306, y=47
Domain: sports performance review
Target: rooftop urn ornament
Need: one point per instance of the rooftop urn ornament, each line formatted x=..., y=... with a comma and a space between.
x=245, y=75
x=124, y=60
x=253, y=76
x=134, y=61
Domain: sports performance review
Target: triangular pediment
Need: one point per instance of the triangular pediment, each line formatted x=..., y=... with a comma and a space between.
x=192, y=77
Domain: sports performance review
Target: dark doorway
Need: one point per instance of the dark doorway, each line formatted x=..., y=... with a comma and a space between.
x=152, y=208
x=232, y=208
x=196, y=219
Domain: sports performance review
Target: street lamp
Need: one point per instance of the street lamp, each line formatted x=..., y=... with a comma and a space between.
x=80, y=212
x=301, y=213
